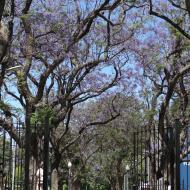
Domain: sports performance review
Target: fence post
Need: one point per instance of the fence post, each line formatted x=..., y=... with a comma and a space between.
x=177, y=153
x=46, y=154
x=27, y=153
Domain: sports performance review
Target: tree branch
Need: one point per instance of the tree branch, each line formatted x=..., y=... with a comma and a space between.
x=163, y=17
x=169, y=94
x=2, y=6
x=27, y=6
x=7, y=125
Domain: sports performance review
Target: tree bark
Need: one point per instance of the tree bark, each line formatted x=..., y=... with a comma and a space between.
x=119, y=175
x=113, y=184
x=54, y=180
x=60, y=181
x=76, y=185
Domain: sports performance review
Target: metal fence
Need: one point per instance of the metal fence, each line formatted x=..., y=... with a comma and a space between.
x=14, y=162
x=161, y=163
x=11, y=159
x=157, y=163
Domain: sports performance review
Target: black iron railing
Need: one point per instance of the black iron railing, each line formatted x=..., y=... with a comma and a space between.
x=159, y=159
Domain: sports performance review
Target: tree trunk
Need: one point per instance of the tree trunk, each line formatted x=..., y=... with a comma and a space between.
x=152, y=173
x=113, y=187
x=120, y=182
x=113, y=184
x=54, y=180
x=119, y=175
x=35, y=174
x=56, y=175
x=60, y=181
x=32, y=172
x=76, y=185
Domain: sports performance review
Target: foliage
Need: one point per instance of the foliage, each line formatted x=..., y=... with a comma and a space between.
x=102, y=148
x=42, y=113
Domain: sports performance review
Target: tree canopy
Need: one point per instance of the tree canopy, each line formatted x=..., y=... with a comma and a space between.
x=98, y=70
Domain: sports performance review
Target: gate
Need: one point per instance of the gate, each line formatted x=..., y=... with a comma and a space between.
x=161, y=164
